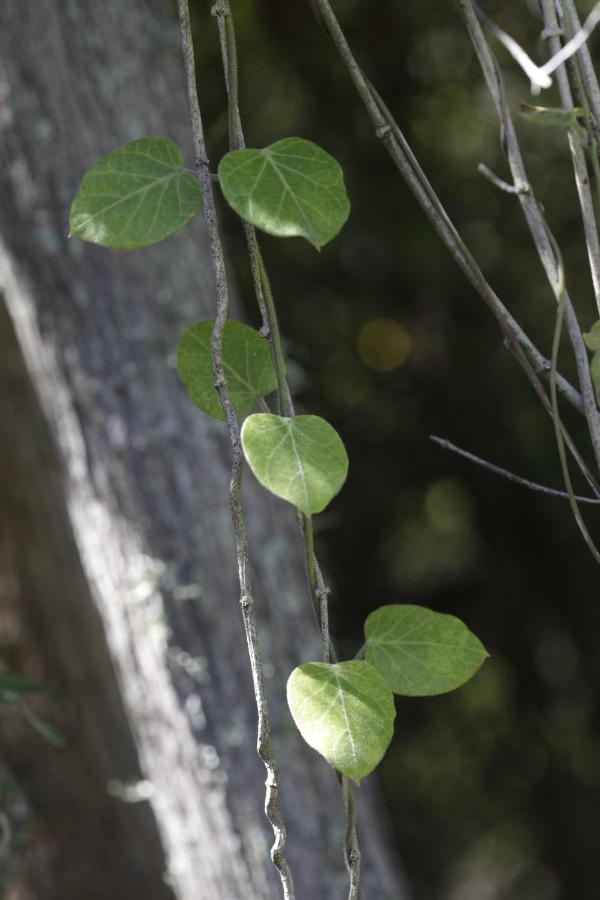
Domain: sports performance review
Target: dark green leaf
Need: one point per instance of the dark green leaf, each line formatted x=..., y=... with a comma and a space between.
x=135, y=196
x=419, y=652
x=246, y=360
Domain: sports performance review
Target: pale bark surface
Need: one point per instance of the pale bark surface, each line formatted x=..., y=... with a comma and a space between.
x=119, y=580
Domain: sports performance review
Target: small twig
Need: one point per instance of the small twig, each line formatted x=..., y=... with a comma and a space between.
x=578, y=155
x=505, y=473
x=540, y=392
x=499, y=183
x=560, y=312
x=398, y=148
x=588, y=74
x=246, y=598
x=540, y=75
x=534, y=216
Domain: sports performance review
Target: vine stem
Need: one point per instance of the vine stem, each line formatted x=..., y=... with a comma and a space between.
x=505, y=473
x=534, y=217
x=516, y=340
x=319, y=591
x=560, y=314
x=588, y=74
x=272, y=809
x=577, y=153
x=391, y=136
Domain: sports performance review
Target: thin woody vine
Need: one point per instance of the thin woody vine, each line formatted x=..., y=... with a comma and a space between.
x=141, y=193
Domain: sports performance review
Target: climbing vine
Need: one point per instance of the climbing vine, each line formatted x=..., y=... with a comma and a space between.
x=140, y=194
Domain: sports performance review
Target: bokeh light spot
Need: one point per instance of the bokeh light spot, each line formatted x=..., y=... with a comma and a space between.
x=383, y=344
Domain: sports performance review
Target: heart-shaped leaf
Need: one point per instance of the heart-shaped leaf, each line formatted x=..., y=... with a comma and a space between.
x=419, y=652
x=301, y=459
x=246, y=361
x=292, y=187
x=345, y=711
x=135, y=196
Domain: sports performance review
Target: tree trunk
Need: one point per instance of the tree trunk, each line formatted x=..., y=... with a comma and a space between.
x=119, y=578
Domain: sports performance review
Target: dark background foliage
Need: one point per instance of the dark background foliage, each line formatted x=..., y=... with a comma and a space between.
x=494, y=791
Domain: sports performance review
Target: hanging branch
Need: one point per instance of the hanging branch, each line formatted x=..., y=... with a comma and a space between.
x=534, y=217
x=387, y=130
x=584, y=60
x=580, y=169
x=522, y=348
x=527, y=355
x=319, y=591
x=540, y=75
x=560, y=314
x=506, y=473
x=246, y=598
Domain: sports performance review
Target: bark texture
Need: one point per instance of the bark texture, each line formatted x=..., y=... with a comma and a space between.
x=119, y=580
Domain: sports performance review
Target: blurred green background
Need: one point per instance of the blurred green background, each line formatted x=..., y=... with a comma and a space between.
x=494, y=791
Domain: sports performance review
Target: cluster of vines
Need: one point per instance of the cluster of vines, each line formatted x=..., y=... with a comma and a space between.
x=141, y=193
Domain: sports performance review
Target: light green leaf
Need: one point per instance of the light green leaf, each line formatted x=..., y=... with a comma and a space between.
x=290, y=188
x=543, y=115
x=592, y=337
x=135, y=196
x=345, y=711
x=246, y=361
x=302, y=459
x=419, y=652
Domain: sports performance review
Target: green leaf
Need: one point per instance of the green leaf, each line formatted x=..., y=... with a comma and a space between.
x=419, y=652
x=543, y=115
x=592, y=337
x=135, y=196
x=345, y=711
x=290, y=188
x=302, y=459
x=246, y=361
x=15, y=684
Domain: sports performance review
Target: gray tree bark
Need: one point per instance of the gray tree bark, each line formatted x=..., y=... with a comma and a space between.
x=118, y=570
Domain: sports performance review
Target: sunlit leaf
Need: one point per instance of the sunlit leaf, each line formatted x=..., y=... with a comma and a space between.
x=246, y=360
x=135, y=196
x=345, y=711
x=292, y=187
x=419, y=652
x=301, y=459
